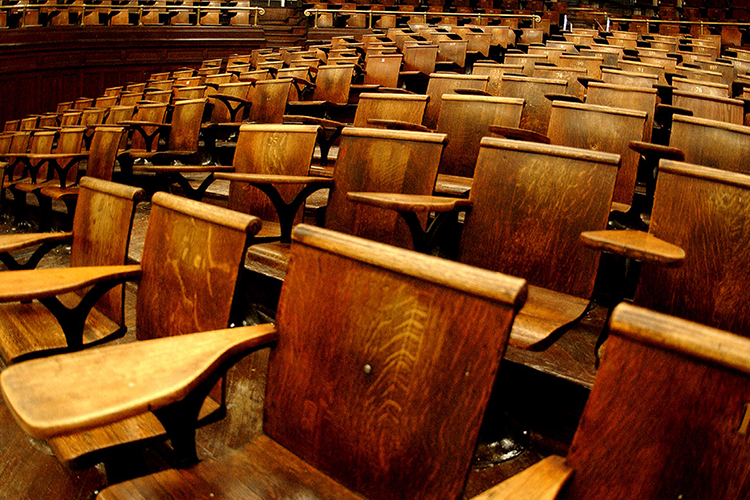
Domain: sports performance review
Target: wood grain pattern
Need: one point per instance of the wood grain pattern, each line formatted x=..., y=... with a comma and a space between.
x=703, y=211
x=537, y=108
x=644, y=436
x=333, y=82
x=466, y=119
x=638, y=245
x=270, y=150
x=60, y=394
x=712, y=143
x=269, y=98
x=402, y=107
x=442, y=83
x=383, y=69
x=101, y=234
x=571, y=75
x=629, y=97
x=346, y=419
x=601, y=128
x=713, y=108
x=495, y=72
x=381, y=161
x=636, y=79
x=541, y=481
x=527, y=216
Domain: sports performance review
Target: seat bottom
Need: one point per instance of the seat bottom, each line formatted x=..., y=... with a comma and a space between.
x=262, y=469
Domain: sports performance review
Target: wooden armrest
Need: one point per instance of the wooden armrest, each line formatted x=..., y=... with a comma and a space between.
x=394, y=90
x=12, y=242
x=225, y=97
x=312, y=120
x=72, y=392
x=649, y=149
x=364, y=87
x=42, y=283
x=145, y=123
x=541, y=481
x=182, y=169
x=520, y=134
x=409, y=202
x=633, y=244
x=54, y=156
x=273, y=179
x=562, y=97
x=398, y=125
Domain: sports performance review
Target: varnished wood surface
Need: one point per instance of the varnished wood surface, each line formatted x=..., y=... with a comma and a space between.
x=542, y=481
x=713, y=108
x=701, y=453
x=56, y=395
x=703, y=211
x=712, y=143
x=602, y=128
x=22, y=460
x=537, y=107
x=409, y=203
x=638, y=245
x=17, y=241
x=402, y=107
x=466, y=119
x=41, y=283
x=441, y=83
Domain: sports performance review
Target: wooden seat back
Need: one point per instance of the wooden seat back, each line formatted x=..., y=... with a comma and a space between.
x=495, y=72
x=644, y=68
x=106, y=101
x=387, y=161
x=93, y=116
x=103, y=151
x=155, y=113
x=629, y=78
x=710, y=107
x=186, y=124
x=601, y=128
x=270, y=149
x=69, y=141
x=101, y=234
x=465, y=119
x=699, y=74
x=41, y=142
x=703, y=211
x=528, y=61
x=648, y=433
x=333, y=82
x=220, y=113
x=191, y=260
x=383, y=69
x=269, y=98
x=592, y=64
x=629, y=97
x=528, y=212
x=701, y=87
x=447, y=83
x=6, y=138
x=712, y=143
x=194, y=92
x=570, y=75
x=420, y=57
x=387, y=350
x=119, y=114
x=32, y=122
x=11, y=125
x=537, y=107
x=407, y=108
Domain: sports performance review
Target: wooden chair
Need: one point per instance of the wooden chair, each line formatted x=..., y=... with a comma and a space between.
x=268, y=100
x=58, y=320
x=602, y=128
x=697, y=209
x=331, y=88
x=191, y=260
x=100, y=164
x=390, y=161
x=537, y=107
x=319, y=442
x=629, y=97
x=465, y=119
x=383, y=69
x=712, y=143
x=270, y=163
x=40, y=143
x=713, y=108
x=444, y=83
x=182, y=142
x=516, y=225
x=629, y=78
x=495, y=72
x=374, y=108
x=704, y=415
x=573, y=76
